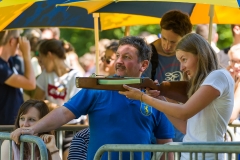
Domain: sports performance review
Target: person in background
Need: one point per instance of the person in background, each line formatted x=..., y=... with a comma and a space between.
x=72, y=58
x=109, y=58
x=223, y=54
x=79, y=145
x=203, y=30
x=205, y=116
x=11, y=96
x=149, y=37
x=50, y=33
x=29, y=113
x=128, y=122
x=164, y=65
x=87, y=61
x=57, y=81
x=56, y=84
x=234, y=68
x=34, y=36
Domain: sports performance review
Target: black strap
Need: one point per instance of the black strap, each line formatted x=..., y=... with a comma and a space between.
x=226, y=50
x=154, y=61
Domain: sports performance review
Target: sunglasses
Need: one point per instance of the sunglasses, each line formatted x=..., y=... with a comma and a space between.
x=108, y=60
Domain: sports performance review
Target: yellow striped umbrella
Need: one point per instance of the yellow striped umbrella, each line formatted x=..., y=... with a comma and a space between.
x=10, y=9
x=112, y=12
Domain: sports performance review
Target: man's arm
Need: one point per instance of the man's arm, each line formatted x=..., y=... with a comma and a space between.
x=164, y=141
x=51, y=121
x=28, y=81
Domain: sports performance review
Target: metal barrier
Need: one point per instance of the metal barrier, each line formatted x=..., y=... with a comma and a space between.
x=235, y=124
x=34, y=140
x=230, y=135
x=59, y=133
x=192, y=148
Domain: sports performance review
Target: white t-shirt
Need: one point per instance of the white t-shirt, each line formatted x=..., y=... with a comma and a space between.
x=59, y=90
x=36, y=67
x=210, y=124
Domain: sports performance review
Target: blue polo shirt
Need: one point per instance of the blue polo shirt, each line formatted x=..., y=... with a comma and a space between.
x=114, y=119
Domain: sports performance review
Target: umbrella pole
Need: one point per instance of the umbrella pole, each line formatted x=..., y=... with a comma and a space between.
x=96, y=35
x=211, y=15
x=127, y=31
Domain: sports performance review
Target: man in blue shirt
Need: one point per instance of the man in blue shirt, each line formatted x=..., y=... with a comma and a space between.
x=113, y=118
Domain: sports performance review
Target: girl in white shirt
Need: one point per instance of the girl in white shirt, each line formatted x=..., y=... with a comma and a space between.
x=205, y=116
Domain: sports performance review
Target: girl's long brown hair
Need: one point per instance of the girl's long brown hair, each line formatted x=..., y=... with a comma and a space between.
x=207, y=59
x=42, y=107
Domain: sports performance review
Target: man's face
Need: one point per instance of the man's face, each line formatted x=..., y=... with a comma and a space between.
x=169, y=41
x=234, y=61
x=127, y=64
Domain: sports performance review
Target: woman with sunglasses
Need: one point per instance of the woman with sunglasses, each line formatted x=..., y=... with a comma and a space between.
x=109, y=58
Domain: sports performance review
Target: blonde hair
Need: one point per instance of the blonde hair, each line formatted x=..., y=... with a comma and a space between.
x=5, y=36
x=234, y=49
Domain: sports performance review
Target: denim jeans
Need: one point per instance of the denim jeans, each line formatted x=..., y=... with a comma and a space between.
x=178, y=135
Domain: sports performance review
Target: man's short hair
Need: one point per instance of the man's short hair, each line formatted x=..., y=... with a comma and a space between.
x=144, y=50
x=234, y=49
x=176, y=21
x=6, y=35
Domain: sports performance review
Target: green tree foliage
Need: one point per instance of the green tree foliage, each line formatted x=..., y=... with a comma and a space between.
x=224, y=36
x=83, y=39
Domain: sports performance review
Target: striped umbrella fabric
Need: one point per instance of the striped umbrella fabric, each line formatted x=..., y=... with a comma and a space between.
x=225, y=11
x=48, y=14
x=34, y=13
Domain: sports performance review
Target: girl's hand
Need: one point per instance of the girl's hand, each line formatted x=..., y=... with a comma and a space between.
x=132, y=93
x=49, y=140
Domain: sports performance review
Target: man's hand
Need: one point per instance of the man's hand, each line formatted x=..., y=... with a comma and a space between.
x=15, y=135
x=24, y=47
x=153, y=93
